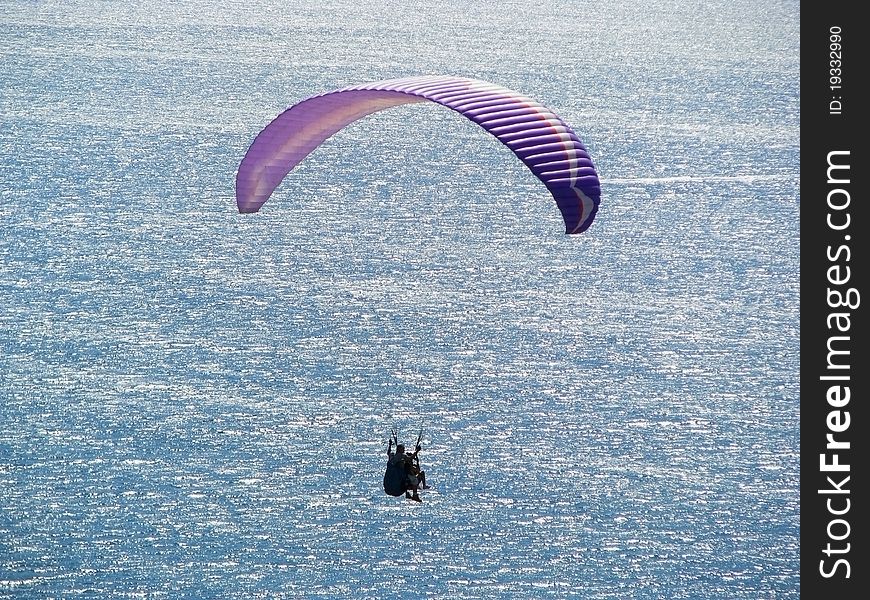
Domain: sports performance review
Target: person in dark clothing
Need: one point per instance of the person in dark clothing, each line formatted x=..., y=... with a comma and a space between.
x=415, y=479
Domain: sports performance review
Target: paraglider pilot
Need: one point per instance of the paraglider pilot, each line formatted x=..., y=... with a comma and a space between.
x=406, y=463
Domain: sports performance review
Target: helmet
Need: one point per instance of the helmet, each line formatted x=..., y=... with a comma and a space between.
x=400, y=447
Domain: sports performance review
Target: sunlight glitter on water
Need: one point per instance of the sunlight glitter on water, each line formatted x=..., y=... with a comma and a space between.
x=196, y=403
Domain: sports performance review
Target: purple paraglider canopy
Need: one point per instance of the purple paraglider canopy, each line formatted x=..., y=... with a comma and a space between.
x=541, y=140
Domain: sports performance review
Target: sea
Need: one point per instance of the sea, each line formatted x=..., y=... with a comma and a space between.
x=196, y=403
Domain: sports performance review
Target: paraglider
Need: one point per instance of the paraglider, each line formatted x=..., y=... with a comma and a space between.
x=537, y=136
x=403, y=474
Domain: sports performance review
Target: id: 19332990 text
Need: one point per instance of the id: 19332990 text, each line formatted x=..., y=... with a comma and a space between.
x=835, y=69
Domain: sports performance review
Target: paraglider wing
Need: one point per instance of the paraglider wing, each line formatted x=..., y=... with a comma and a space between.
x=541, y=140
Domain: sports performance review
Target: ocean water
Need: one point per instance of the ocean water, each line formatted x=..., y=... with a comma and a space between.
x=196, y=403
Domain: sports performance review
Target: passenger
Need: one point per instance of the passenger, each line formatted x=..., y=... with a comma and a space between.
x=414, y=477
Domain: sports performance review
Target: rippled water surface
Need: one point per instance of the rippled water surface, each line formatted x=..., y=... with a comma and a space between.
x=195, y=403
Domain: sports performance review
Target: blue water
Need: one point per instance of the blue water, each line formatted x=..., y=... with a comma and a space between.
x=195, y=403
